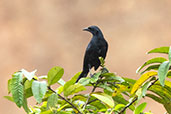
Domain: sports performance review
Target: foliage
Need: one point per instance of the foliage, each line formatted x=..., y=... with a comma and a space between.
x=115, y=94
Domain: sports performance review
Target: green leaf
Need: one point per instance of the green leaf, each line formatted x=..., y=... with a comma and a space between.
x=25, y=106
x=169, y=74
x=128, y=80
x=17, y=89
x=167, y=107
x=28, y=75
x=74, y=89
x=43, y=77
x=39, y=90
x=79, y=97
x=27, y=84
x=104, y=86
x=141, y=80
x=144, y=88
x=9, y=86
x=59, y=90
x=139, y=94
x=156, y=98
x=151, y=61
x=164, y=50
x=63, y=112
x=9, y=98
x=112, y=77
x=104, y=98
x=61, y=82
x=152, y=67
x=52, y=101
x=140, y=108
x=102, y=61
x=120, y=100
x=27, y=88
x=119, y=106
x=47, y=112
x=62, y=107
x=98, y=104
x=90, y=107
x=168, y=83
x=162, y=72
x=163, y=92
x=85, y=81
x=95, y=77
x=169, y=54
x=54, y=75
x=70, y=82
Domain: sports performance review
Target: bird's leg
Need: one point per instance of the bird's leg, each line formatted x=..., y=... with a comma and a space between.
x=89, y=66
x=90, y=73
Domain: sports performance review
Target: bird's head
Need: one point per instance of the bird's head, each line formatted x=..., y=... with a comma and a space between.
x=94, y=30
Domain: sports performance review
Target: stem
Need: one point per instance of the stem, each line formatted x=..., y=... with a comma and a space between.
x=65, y=100
x=92, y=101
x=135, y=99
x=89, y=96
x=129, y=104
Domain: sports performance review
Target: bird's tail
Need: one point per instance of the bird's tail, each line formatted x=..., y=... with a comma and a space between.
x=83, y=74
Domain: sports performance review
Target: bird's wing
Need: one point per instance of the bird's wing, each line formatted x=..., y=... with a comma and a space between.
x=91, y=55
x=104, y=50
x=87, y=57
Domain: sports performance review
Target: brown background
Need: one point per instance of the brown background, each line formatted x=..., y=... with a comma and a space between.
x=40, y=34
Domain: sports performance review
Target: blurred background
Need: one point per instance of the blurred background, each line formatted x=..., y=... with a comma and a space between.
x=47, y=33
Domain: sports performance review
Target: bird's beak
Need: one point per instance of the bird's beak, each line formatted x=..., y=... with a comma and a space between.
x=86, y=29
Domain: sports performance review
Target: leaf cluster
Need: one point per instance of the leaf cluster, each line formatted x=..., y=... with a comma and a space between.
x=107, y=93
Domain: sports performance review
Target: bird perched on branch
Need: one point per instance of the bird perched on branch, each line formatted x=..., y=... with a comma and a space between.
x=96, y=48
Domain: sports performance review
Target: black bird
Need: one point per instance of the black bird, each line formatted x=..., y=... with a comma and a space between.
x=96, y=48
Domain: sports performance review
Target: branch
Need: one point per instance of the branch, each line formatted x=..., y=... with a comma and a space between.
x=153, y=83
x=65, y=100
x=135, y=99
x=127, y=106
x=92, y=101
x=89, y=96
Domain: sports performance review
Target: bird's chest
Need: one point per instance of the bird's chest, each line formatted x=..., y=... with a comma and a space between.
x=96, y=47
x=99, y=45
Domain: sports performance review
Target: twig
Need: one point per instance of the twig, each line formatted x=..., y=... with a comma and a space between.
x=92, y=101
x=65, y=100
x=135, y=99
x=153, y=83
x=89, y=96
x=122, y=111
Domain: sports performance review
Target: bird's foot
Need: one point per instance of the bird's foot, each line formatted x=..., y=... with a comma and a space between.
x=91, y=75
